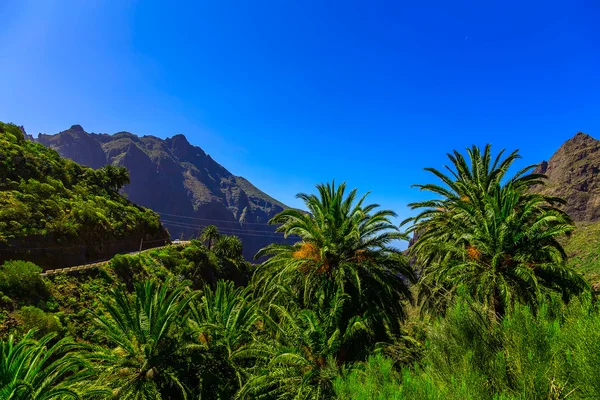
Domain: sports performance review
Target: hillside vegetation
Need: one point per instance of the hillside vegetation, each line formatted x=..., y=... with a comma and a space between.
x=496, y=310
x=583, y=248
x=49, y=202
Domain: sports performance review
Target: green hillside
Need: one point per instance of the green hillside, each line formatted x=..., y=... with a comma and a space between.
x=583, y=248
x=57, y=212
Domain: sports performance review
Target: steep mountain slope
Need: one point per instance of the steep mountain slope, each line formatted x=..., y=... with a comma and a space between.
x=573, y=175
x=58, y=213
x=179, y=181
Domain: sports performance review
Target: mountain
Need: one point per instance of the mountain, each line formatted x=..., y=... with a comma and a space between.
x=58, y=213
x=573, y=175
x=179, y=181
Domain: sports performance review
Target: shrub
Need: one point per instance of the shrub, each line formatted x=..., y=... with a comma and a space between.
x=126, y=268
x=373, y=380
x=548, y=354
x=43, y=323
x=21, y=280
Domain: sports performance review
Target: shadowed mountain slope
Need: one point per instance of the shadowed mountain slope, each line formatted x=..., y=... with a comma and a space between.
x=179, y=181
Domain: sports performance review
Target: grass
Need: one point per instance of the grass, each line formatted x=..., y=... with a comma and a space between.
x=583, y=249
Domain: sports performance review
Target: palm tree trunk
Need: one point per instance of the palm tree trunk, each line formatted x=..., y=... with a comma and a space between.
x=498, y=308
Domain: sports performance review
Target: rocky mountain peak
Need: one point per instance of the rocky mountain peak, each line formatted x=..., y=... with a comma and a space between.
x=184, y=150
x=76, y=128
x=581, y=136
x=573, y=174
x=179, y=139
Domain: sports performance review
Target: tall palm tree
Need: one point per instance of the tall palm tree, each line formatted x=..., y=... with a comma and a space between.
x=39, y=370
x=210, y=234
x=138, y=327
x=344, y=245
x=492, y=236
x=224, y=323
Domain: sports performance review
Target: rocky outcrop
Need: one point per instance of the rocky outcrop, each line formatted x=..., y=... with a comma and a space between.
x=573, y=175
x=76, y=144
x=178, y=180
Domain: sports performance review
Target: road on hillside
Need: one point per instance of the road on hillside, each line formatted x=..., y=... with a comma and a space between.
x=102, y=262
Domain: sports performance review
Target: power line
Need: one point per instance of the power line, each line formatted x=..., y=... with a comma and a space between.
x=213, y=220
x=232, y=233
x=227, y=232
x=75, y=247
x=224, y=230
x=190, y=225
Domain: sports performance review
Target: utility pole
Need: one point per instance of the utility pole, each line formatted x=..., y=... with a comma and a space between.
x=141, y=244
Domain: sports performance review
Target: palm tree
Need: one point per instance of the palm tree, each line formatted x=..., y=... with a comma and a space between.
x=138, y=327
x=224, y=323
x=229, y=246
x=346, y=246
x=114, y=177
x=210, y=234
x=38, y=370
x=492, y=236
x=471, y=180
x=304, y=360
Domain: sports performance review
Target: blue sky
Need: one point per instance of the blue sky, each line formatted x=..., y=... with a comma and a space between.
x=292, y=93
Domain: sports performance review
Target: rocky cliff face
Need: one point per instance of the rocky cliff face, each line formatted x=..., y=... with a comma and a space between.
x=75, y=144
x=179, y=181
x=573, y=175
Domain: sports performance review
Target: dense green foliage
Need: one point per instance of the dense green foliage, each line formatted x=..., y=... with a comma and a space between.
x=41, y=369
x=550, y=355
x=500, y=313
x=48, y=201
x=137, y=330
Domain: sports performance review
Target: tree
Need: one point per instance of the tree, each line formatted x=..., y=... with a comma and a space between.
x=345, y=246
x=223, y=323
x=491, y=235
x=138, y=327
x=472, y=181
x=40, y=370
x=229, y=246
x=115, y=177
x=210, y=234
x=305, y=358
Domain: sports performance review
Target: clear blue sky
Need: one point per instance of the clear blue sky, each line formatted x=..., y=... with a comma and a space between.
x=292, y=93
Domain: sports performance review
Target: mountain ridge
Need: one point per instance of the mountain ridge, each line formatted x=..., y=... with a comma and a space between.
x=178, y=180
